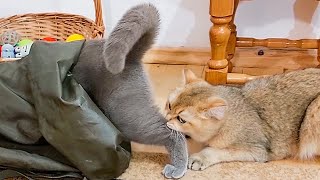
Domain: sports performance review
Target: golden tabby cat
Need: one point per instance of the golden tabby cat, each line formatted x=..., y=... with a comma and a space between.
x=266, y=119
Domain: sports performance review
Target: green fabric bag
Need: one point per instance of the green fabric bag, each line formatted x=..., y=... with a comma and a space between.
x=49, y=123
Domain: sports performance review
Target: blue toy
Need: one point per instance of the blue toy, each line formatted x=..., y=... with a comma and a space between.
x=7, y=51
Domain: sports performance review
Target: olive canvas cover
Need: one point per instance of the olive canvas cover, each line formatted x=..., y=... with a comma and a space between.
x=48, y=123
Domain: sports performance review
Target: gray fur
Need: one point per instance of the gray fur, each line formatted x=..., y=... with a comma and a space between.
x=112, y=74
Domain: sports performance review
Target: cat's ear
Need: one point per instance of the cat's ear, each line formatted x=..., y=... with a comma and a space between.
x=217, y=112
x=189, y=76
x=217, y=108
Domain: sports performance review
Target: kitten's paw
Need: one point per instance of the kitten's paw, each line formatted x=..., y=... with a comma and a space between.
x=170, y=171
x=198, y=162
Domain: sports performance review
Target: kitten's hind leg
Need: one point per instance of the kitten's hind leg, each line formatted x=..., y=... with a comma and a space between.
x=210, y=156
x=175, y=143
x=177, y=148
x=309, y=145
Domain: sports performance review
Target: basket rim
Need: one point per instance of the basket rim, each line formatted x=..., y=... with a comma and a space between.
x=45, y=14
x=97, y=7
x=10, y=19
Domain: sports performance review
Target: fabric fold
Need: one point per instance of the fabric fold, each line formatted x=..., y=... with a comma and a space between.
x=48, y=102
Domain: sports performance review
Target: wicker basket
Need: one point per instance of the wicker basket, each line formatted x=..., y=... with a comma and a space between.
x=56, y=25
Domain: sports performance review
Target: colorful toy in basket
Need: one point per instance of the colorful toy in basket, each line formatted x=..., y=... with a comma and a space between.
x=9, y=37
x=49, y=39
x=13, y=47
x=75, y=37
x=7, y=51
x=23, y=48
x=24, y=42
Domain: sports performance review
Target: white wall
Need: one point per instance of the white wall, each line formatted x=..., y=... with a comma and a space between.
x=186, y=22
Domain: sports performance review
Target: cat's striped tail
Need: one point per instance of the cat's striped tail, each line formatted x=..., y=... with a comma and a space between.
x=132, y=37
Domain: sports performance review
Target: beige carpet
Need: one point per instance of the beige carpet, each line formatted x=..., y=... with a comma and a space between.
x=148, y=166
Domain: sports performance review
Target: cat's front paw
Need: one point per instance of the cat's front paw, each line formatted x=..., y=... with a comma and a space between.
x=198, y=162
x=170, y=172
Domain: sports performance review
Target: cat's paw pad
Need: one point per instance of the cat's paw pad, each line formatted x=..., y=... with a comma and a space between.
x=170, y=171
x=197, y=163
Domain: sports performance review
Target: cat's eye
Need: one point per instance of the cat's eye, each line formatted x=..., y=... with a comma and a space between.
x=169, y=106
x=181, y=120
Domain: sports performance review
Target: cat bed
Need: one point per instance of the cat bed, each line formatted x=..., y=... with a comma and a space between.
x=49, y=125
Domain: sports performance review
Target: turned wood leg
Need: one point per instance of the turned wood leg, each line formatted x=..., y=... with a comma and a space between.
x=318, y=57
x=231, y=47
x=221, y=12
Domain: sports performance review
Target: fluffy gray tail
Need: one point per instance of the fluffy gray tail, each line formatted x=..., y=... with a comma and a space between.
x=132, y=37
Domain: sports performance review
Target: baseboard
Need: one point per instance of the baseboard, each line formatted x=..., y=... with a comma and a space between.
x=288, y=59
x=177, y=55
x=244, y=58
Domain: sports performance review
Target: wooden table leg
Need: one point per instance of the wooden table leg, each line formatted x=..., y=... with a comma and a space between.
x=231, y=47
x=221, y=12
x=318, y=57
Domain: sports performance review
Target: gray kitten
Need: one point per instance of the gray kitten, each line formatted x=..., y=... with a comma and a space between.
x=267, y=119
x=112, y=74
